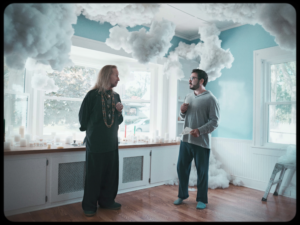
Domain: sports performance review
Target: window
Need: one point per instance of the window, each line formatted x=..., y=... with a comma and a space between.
x=281, y=103
x=274, y=98
x=43, y=113
x=61, y=108
x=16, y=100
x=135, y=96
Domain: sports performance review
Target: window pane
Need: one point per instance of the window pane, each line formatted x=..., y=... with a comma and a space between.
x=61, y=117
x=15, y=112
x=138, y=115
x=138, y=87
x=14, y=80
x=283, y=82
x=282, y=124
x=74, y=81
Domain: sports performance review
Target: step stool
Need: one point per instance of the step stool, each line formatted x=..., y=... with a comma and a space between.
x=278, y=167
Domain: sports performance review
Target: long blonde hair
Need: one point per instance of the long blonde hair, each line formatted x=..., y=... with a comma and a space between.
x=103, y=79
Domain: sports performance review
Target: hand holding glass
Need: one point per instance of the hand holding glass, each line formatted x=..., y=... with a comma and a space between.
x=184, y=107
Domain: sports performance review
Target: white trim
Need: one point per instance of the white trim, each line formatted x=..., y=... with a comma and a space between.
x=194, y=37
x=230, y=27
x=261, y=58
x=181, y=35
x=71, y=201
x=185, y=80
x=231, y=140
x=136, y=101
x=63, y=98
x=97, y=46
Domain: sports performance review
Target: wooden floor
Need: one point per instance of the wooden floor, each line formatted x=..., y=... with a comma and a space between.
x=156, y=204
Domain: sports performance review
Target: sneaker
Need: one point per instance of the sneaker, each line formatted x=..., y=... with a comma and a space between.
x=115, y=205
x=89, y=213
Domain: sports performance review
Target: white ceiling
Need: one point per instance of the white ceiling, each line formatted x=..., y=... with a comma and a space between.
x=188, y=18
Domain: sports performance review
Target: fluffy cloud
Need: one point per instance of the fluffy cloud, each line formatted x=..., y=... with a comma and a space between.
x=238, y=13
x=121, y=14
x=172, y=67
x=289, y=156
x=144, y=46
x=39, y=31
x=40, y=80
x=278, y=19
x=217, y=177
x=212, y=57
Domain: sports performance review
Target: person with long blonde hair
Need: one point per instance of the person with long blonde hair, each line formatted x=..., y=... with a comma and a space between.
x=100, y=115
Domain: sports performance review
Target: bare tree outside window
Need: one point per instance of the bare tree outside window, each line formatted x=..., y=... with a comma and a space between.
x=61, y=113
x=282, y=105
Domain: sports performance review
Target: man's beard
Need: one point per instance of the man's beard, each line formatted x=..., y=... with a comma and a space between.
x=194, y=87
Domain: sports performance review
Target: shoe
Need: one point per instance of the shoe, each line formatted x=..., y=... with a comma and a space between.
x=89, y=213
x=200, y=205
x=178, y=201
x=115, y=205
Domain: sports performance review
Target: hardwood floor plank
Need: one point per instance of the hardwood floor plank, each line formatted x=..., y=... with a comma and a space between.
x=236, y=204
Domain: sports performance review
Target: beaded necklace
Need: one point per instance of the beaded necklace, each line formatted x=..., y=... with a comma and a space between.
x=104, y=108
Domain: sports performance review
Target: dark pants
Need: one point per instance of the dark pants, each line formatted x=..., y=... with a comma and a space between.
x=101, y=179
x=187, y=152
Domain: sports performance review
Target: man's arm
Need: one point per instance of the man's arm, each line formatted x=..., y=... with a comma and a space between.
x=182, y=115
x=214, y=115
x=120, y=116
x=85, y=112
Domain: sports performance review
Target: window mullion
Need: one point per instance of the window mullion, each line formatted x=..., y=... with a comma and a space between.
x=41, y=113
x=266, y=98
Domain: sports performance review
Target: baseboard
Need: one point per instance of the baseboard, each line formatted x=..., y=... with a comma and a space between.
x=261, y=186
x=40, y=207
x=141, y=187
x=66, y=202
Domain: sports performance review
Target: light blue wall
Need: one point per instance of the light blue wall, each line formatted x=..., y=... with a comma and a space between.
x=100, y=32
x=234, y=89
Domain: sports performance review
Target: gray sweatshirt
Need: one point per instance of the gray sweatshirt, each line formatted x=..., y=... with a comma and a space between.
x=202, y=113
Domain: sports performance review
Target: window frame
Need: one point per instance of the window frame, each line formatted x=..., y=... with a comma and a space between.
x=262, y=59
x=27, y=93
x=39, y=96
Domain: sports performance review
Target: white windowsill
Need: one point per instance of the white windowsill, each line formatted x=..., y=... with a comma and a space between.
x=269, y=147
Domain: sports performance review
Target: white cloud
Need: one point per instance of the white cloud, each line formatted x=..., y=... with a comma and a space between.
x=277, y=19
x=119, y=14
x=172, y=67
x=289, y=156
x=217, y=177
x=39, y=31
x=41, y=81
x=212, y=57
x=144, y=46
x=118, y=38
x=50, y=86
x=238, y=13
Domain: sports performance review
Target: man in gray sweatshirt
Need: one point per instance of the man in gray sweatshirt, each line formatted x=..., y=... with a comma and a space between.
x=201, y=113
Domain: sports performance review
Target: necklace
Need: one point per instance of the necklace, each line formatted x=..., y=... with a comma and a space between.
x=107, y=97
